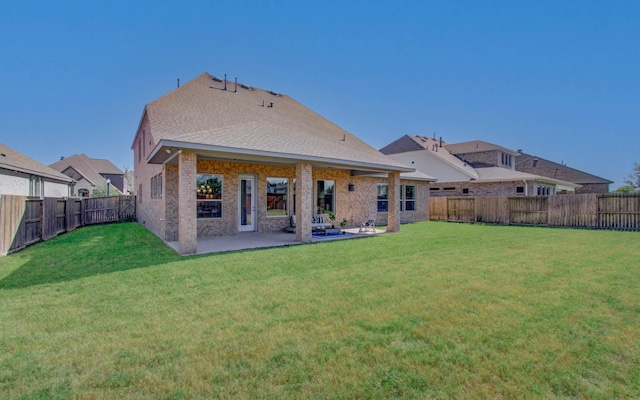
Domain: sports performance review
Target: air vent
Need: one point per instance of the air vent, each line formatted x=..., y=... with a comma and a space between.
x=215, y=78
x=242, y=85
x=274, y=93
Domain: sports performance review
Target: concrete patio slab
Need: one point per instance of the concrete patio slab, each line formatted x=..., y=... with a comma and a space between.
x=257, y=240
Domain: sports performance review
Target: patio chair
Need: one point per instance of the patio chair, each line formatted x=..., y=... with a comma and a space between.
x=369, y=226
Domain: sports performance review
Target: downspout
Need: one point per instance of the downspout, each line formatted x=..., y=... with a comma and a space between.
x=526, y=188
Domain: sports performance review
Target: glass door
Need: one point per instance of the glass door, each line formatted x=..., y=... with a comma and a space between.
x=247, y=203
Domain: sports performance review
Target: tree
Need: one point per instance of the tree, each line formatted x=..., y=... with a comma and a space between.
x=625, y=189
x=128, y=176
x=633, y=179
x=99, y=191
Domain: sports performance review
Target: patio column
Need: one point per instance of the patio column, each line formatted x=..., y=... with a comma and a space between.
x=304, y=202
x=187, y=224
x=171, y=192
x=393, y=223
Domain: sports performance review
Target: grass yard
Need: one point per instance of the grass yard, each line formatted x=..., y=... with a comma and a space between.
x=436, y=311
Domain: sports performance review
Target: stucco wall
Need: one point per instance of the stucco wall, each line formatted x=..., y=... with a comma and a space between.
x=82, y=184
x=18, y=183
x=56, y=189
x=14, y=183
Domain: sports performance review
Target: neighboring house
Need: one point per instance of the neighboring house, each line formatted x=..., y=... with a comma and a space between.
x=23, y=176
x=91, y=174
x=216, y=158
x=474, y=168
x=539, y=166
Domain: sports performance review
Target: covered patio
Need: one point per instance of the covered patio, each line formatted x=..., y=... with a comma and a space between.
x=261, y=240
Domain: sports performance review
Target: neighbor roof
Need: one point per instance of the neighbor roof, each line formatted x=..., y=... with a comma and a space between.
x=477, y=146
x=104, y=166
x=15, y=161
x=203, y=116
x=89, y=168
x=499, y=174
x=435, y=147
x=525, y=163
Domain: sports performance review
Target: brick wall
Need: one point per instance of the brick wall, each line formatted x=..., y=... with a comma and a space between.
x=162, y=215
x=478, y=189
x=598, y=188
x=493, y=157
x=150, y=212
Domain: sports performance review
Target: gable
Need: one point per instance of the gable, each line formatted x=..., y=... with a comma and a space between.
x=72, y=173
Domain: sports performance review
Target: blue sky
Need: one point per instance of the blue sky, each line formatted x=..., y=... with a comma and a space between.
x=557, y=79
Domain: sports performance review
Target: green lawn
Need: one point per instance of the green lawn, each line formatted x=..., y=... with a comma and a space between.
x=436, y=311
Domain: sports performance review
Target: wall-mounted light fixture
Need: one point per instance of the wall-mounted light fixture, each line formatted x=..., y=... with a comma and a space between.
x=351, y=187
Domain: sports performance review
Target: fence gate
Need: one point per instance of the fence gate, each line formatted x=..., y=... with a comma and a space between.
x=127, y=208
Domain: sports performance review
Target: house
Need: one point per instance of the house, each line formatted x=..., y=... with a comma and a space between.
x=216, y=158
x=471, y=168
x=91, y=174
x=23, y=176
x=539, y=166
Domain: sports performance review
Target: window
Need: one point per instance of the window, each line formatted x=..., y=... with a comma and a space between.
x=383, y=197
x=543, y=190
x=506, y=159
x=35, y=186
x=465, y=191
x=209, y=195
x=519, y=189
x=139, y=150
x=449, y=188
x=156, y=187
x=407, y=198
x=277, y=195
x=434, y=188
x=139, y=194
x=325, y=197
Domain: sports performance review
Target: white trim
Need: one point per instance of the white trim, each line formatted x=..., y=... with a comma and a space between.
x=254, y=199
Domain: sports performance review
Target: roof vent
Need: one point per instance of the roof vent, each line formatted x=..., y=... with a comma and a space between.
x=242, y=85
x=215, y=78
x=274, y=93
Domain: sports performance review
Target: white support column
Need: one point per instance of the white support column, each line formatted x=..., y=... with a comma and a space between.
x=393, y=223
x=187, y=223
x=304, y=202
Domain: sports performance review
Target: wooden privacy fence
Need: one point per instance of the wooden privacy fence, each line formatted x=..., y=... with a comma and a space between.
x=620, y=211
x=24, y=221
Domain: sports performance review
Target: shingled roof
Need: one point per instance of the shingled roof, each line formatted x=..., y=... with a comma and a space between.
x=436, y=148
x=89, y=168
x=477, y=146
x=242, y=121
x=15, y=161
x=540, y=166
